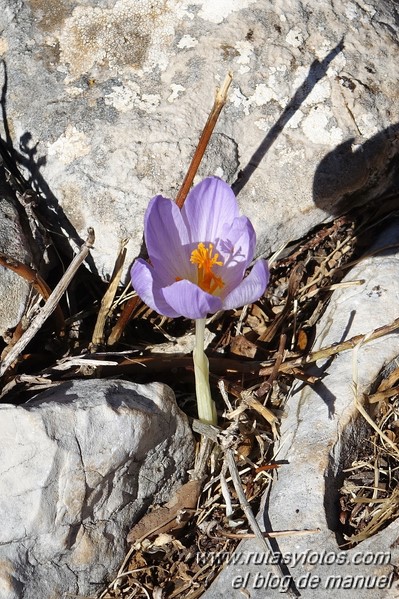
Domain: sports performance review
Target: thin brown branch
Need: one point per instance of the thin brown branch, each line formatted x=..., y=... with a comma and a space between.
x=50, y=305
x=220, y=100
x=267, y=385
x=33, y=278
x=335, y=348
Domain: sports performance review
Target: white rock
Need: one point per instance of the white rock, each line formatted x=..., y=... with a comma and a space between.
x=115, y=95
x=80, y=463
x=319, y=437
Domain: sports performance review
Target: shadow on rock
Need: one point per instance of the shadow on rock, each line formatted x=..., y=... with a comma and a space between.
x=356, y=173
x=317, y=71
x=35, y=198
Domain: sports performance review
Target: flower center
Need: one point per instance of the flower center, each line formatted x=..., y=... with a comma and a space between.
x=202, y=257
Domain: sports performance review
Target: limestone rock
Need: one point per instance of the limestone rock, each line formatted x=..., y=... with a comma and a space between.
x=320, y=436
x=80, y=463
x=111, y=97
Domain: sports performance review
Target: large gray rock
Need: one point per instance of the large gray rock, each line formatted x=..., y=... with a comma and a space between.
x=79, y=464
x=321, y=435
x=114, y=95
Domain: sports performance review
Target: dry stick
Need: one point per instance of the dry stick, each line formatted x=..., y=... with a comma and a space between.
x=108, y=298
x=293, y=284
x=267, y=385
x=264, y=541
x=50, y=305
x=336, y=348
x=220, y=100
x=33, y=278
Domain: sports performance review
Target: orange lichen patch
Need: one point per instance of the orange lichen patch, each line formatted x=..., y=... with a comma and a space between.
x=205, y=261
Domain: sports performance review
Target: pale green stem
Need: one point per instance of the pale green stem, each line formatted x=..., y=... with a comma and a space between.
x=206, y=406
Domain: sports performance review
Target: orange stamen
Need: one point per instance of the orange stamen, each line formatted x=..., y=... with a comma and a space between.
x=207, y=279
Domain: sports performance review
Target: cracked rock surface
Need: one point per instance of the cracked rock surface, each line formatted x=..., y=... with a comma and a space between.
x=80, y=463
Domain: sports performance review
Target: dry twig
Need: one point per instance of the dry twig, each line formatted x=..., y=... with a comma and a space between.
x=50, y=305
x=106, y=303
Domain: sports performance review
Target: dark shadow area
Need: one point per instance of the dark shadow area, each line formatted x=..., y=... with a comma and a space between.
x=350, y=447
x=353, y=174
x=317, y=71
x=275, y=547
x=50, y=240
x=51, y=235
x=359, y=443
x=33, y=191
x=320, y=387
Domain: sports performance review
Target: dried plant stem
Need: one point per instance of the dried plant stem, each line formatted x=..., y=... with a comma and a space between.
x=332, y=350
x=50, y=305
x=205, y=404
x=220, y=100
x=34, y=279
x=106, y=303
x=264, y=541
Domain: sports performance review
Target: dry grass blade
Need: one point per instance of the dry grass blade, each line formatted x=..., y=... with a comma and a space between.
x=359, y=403
x=293, y=285
x=106, y=303
x=50, y=305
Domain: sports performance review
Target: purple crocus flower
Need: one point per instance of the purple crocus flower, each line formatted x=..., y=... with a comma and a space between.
x=198, y=254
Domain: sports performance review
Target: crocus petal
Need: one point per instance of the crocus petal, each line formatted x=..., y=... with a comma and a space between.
x=209, y=205
x=237, y=249
x=188, y=300
x=165, y=237
x=241, y=235
x=250, y=289
x=149, y=289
